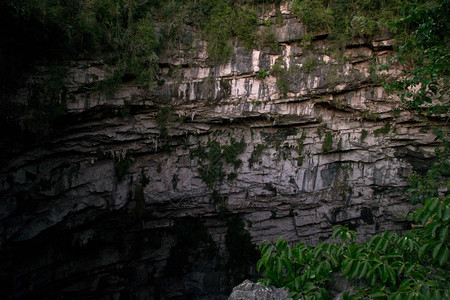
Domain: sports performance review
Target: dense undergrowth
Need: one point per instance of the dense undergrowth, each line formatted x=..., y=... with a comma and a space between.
x=411, y=266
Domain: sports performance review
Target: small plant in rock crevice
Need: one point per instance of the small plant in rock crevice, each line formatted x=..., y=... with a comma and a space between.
x=328, y=142
x=256, y=155
x=281, y=73
x=214, y=157
x=364, y=134
x=261, y=74
x=301, y=145
x=122, y=164
x=383, y=130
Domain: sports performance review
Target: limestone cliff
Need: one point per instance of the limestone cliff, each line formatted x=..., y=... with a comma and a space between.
x=156, y=193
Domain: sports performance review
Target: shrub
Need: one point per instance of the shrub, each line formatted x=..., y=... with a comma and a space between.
x=310, y=64
x=364, y=134
x=267, y=38
x=328, y=142
x=313, y=14
x=226, y=21
x=261, y=74
x=256, y=155
x=213, y=158
x=414, y=265
x=383, y=130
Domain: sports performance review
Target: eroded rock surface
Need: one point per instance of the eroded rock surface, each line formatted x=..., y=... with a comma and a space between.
x=248, y=290
x=142, y=194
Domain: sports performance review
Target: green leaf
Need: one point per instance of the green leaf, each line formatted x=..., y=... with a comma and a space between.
x=434, y=228
x=443, y=234
x=267, y=249
x=385, y=245
x=259, y=264
x=422, y=250
x=446, y=216
x=436, y=250
x=437, y=294
x=289, y=253
x=391, y=273
x=440, y=210
x=432, y=204
x=347, y=266
x=334, y=261
x=317, y=252
x=443, y=256
x=405, y=283
x=354, y=270
x=281, y=245
x=297, y=283
x=384, y=274
x=279, y=266
x=372, y=269
x=378, y=294
x=409, y=269
x=378, y=244
x=363, y=270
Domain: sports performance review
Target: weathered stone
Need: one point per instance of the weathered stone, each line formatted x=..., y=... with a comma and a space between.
x=248, y=290
x=93, y=210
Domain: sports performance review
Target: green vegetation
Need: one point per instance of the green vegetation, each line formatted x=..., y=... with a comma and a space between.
x=213, y=158
x=367, y=115
x=256, y=155
x=261, y=74
x=162, y=119
x=314, y=14
x=300, y=142
x=280, y=71
x=383, y=130
x=310, y=64
x=423, y=47
x=226, y=20
x=267, y=38
x=339, y=145
x=122, y=32
x=414, y=265
x=220, y=202
x=122, y=164
x=328, y=142
x=346, y=18
x=364, y=134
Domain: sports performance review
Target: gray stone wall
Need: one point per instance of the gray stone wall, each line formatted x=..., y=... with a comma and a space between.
x=92, y=209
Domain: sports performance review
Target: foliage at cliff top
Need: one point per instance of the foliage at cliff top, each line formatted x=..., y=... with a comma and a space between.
x=134, y=33
x=128, y=33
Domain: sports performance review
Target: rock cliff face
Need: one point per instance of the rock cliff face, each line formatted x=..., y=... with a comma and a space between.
x=161, y=192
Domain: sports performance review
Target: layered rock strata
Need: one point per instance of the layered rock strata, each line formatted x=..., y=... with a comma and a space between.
x=150, y=193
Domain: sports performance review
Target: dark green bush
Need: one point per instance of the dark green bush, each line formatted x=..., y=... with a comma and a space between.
x=226, y=21
x=328, y=142
x=412, y=266
x=314, y=14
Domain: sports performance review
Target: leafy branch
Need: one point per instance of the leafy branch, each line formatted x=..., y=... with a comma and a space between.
x=388, y=266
